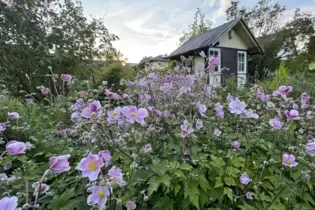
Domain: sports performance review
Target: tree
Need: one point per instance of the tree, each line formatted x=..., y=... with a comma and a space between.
x=280, y=39
x=198, y=26
x=45, y=37
x=264, y=18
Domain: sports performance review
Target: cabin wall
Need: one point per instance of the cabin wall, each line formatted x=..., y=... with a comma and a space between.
x=235, y=42
x=229, y=64
x=229, y=61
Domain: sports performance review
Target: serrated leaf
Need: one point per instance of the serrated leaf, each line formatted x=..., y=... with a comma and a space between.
x=277, y=206
x=177, y=189
x=191, y=191
x=165, y=179
x=231, y=171
x=155, y=182
x=230, y=181
x=218, y=182
x=216, y=193
x=185, y=166
x=195, y=200
x=203, y=183
x=228, y=192
x=246, y=206
x=217, y=161
x=179, y=173
x=308, y=198
x=164, y=203
x=238, y=161
x=153, y=186
x=160, y=167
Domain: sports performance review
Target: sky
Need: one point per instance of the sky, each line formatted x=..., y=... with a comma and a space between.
x=153, y=27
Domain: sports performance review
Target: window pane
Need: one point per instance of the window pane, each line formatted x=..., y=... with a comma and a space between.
x=241, y=59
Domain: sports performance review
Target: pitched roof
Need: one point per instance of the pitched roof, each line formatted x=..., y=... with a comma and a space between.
x=157, y=58
x=208, y=38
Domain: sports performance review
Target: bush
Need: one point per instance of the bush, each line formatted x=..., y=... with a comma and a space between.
x=113, y=73
x=173, y=144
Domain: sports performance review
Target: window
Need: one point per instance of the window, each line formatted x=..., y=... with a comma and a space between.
x=241, y=62
x=215, y=52
x=230, y=34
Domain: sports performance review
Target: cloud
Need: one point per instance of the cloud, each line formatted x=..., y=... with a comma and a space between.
x=223, y=5
x=209, y=3
x=147, y=28
x=153, y=27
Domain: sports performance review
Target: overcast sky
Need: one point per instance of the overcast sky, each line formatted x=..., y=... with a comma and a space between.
x=153, y=27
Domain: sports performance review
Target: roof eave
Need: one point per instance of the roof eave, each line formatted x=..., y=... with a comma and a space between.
x=253, y=37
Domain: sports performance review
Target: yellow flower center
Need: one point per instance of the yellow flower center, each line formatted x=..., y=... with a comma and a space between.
x=129, y=206
x=133, y=115
x=92, y=166
x=101, y=194
x=93, y=114
x=114, y=114
x=288, y=161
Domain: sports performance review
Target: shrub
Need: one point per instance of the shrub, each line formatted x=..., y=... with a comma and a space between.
x=174, y=143
x=113, y=73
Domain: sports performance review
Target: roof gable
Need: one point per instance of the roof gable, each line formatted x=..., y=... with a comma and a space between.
x=211, y=37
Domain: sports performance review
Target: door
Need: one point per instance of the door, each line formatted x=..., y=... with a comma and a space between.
x=215, y=76
x=241, y=68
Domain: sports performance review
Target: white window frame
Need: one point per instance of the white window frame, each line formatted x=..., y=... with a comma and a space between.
x=245, y=62
x=219, y=54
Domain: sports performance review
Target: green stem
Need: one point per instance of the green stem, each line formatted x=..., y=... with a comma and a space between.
x=275, y=197
x=26, y=190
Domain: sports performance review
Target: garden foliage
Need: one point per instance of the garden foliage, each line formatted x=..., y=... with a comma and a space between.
x=36, y=35
x=167, y=142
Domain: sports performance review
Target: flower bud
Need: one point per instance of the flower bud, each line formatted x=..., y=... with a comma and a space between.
x=145, y=198
x=119, y=203
x=307, y=177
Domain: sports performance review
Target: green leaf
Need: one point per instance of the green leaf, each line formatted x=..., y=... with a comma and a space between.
x=165, y=203
x=216, y=193
x=155, y=182
x=191, y=191
x=218, y=182
x=231, y=171
x=160, y=167
x=246, y=206
x=153, y=185
x=277, y=206
x=177, y=188
x=238, y=161
x=217, y=161
x=308, y=198
x=185, y=166
x=228, y=192
x=165, y=179
x=195, y=200
x=230, y=181
x=179, y=173
x=203, y=183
